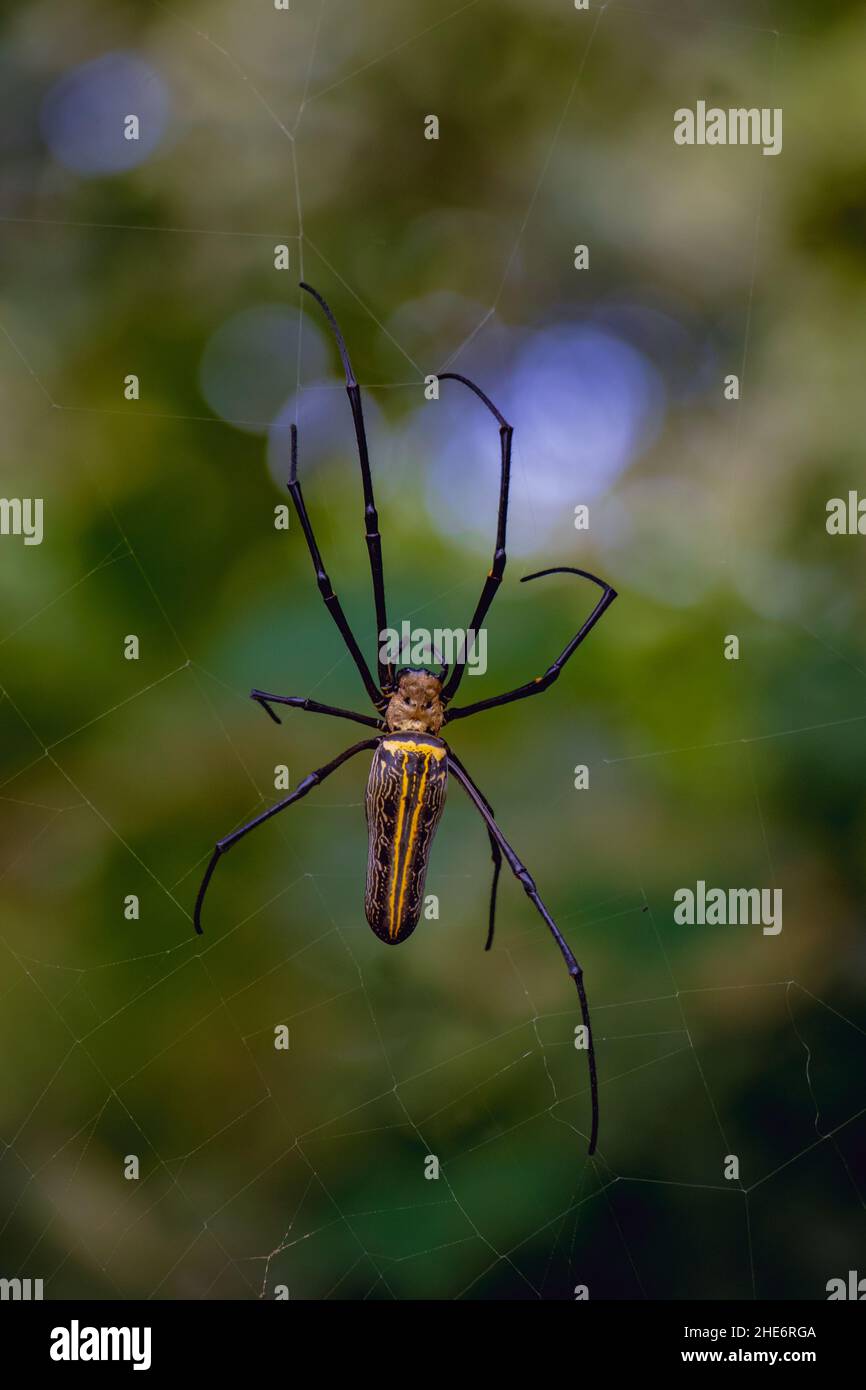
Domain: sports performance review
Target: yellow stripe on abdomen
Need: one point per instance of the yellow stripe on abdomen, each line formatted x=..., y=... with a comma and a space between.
x=400, y=745
x=401, y=810
x=413, y=830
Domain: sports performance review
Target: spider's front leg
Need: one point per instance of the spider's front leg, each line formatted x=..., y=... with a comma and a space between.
x=332, y=603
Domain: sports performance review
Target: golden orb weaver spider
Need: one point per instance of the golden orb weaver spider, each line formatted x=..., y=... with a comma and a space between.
x=409, y=773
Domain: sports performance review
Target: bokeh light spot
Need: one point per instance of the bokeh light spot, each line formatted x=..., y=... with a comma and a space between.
x=249, y=365
x=584, y=404
x=83, y=115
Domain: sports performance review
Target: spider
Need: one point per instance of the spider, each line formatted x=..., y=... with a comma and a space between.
x=409, y=773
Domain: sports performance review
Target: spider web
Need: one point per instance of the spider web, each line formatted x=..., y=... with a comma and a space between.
x=256, y=1184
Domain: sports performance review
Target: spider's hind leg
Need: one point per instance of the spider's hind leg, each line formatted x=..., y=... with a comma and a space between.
x=304, y=786
x=521, y=872
x=495, y=855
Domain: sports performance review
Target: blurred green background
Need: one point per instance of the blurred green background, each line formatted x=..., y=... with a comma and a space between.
x=305, y=1168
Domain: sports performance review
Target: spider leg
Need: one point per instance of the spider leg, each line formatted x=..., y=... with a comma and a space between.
x=263, y=698
x=332, y=603
x=306, y=785
x=540, y=683
x=495, y=855
x=371, y=516
x=522, y=873
x=494, y=576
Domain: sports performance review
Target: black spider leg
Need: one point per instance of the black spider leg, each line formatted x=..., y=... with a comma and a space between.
x=535, y=687
x=371, y=516
x=495, y=855
x=263, y=698
x=332, y=603
x=494, y=576
x=311, y=780
x=522, y=873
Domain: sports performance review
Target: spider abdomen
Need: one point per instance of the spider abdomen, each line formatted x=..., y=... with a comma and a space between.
x=404, y=803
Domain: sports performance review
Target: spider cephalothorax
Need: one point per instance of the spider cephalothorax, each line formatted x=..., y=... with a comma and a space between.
x=411, y=764
x=415, y=706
